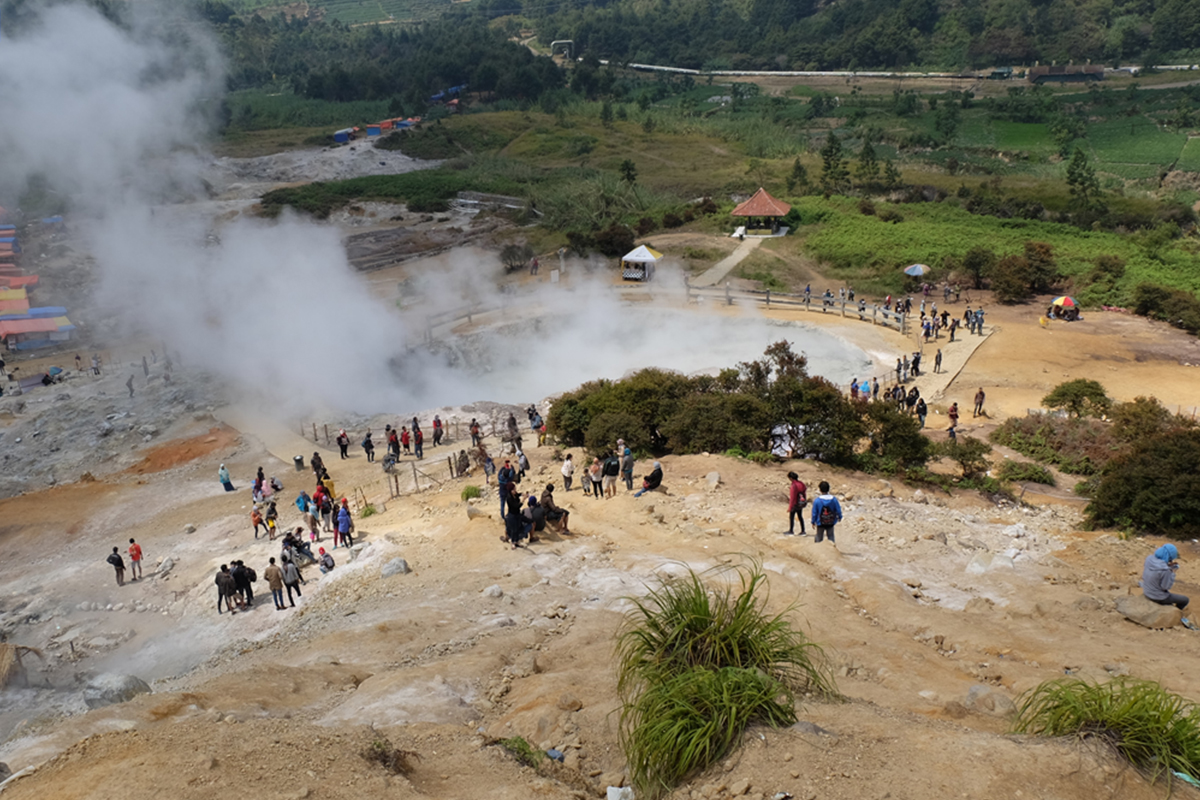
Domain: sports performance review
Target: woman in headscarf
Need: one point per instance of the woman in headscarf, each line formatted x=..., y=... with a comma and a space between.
x=652, y=481
x=223, y=477
x=1158, y=576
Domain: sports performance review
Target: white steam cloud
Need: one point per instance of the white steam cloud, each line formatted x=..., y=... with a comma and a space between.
x=116, y=116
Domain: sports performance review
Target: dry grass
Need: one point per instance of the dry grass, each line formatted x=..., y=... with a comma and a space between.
x=11, y=667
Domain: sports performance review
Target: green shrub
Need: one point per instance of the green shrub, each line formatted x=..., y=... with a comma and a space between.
x=1079, y=446
x=697, y=664
x=605, y=429
x=1179, y=308
x=895, y=438
x=1154, y=487
x=715, y=423
x=1023, y=471
x=368, y=511
x=1143, y=417
x=968, y=452
x=1081, y=397
x=471, y=492
x=1157, y=731
x=523, y=751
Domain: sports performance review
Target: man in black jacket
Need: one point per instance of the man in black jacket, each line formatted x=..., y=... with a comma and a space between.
x=118, y=563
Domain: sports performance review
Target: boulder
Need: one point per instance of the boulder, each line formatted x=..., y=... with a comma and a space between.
x=493, y=591
x=109, y=689
x=166, y=566
x=189, y=528
x=1147, y=613
x=989, y=700
x=713, y=479
x=919, y=497
x=5, y=772
x=979, y=563
x=884, y=488
x=397, y=566
x=477, y=513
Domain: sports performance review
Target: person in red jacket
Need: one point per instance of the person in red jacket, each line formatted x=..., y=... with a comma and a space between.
x=797, y=500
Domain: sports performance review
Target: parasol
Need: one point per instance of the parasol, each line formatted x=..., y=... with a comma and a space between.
x=916, y=270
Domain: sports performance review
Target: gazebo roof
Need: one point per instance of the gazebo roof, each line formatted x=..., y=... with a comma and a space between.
x=762, y=204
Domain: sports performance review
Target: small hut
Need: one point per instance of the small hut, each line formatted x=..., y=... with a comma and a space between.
x=638, y=264
x=761, y=214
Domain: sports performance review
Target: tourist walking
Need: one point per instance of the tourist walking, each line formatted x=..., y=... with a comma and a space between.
x=345, y=526
x=568, y=471
x=596, y=474
x=118, y=564
x=343, y=443
x=368, y=447
x=226, y=589
x=979, y=398
x=626, y=465
x=135, y=560
x=953, y=414
x=797, y=500
x=826, y=513
x=937, y=361
x=274, y=576
x=292, y=580
x=223, y=478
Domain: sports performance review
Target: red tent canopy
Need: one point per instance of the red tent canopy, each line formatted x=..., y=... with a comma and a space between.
x=762, y=204
x=14, y=326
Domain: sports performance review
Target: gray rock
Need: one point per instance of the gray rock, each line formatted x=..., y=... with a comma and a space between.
x=189, y=528
x=397, y=566
x=713, y=479
x=356, y=550
x=477, y=513
x=1147, y=613
x=920, y=497
x=989, y=700
x=803, y=726
x=166, y=566
x=105, y=428
x=110, y=689
x=5, y=771
x=979, y=563
x=493, y=591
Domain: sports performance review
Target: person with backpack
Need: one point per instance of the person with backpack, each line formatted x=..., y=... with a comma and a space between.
x=241, y=585
x=612, y=468
x=226, y=589
x=345, y=526
x=797, y=500
x=826, y=513
x=118, y=563
x=368, y=447
x=325, y=562
x=250, y=578
x=476, y=434
x=343, y=443
x=439, y=430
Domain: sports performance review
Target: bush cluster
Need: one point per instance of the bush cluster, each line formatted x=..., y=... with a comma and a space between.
x=697, y=664
x=1178, y=308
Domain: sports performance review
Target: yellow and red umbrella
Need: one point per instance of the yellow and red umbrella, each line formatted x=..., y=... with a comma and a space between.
x=1065, y=301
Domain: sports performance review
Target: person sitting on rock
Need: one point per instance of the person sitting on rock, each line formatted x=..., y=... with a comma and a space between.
x=553, y=511
x=535, y=518
x=1158, y=576
x=654, y=480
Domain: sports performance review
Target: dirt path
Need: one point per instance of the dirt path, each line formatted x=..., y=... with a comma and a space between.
x=718, y=271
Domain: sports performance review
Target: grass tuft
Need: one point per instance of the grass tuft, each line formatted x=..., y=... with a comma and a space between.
x=1157, y=731
x=470, y=492
x=523, y=751
x=696, y=665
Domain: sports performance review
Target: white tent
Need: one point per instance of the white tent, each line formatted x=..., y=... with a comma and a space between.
x=638, y=263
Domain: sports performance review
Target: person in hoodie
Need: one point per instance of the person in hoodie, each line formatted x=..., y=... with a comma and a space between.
x=797, y=500
x=826, y=513
x=1158, y=576
x=345, y=526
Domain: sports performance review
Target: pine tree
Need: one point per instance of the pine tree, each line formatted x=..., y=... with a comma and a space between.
x=835, y=174
x=867, y=171
x=798, y=178
x=1081, y=178
x=606, y=114
x=891, y=175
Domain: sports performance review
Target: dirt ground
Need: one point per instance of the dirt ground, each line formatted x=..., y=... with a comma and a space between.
x=935, y=612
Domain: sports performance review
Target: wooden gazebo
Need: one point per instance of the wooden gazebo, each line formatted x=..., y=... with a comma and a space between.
x=761, y=213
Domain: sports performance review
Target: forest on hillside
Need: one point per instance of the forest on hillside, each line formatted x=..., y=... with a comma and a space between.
x=863, y=34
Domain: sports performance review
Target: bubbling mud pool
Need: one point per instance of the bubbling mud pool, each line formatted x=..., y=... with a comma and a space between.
x=515, y=361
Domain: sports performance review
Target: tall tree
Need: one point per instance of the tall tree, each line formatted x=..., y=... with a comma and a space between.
x=798, y=179
x=835, y=174
x=1081, y=179
x=867, y=171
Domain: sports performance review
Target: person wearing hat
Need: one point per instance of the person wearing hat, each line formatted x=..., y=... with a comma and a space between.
x=626, y=464
x=325, y=562
x=1158, y=576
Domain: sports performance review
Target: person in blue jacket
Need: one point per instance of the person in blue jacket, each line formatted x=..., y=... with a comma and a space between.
x=345, y=526
x=826, y=512
x=1158, y=576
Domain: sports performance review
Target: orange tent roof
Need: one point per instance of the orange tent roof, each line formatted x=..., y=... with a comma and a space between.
x=14, y=306
x=762, y=205
x=14, y=326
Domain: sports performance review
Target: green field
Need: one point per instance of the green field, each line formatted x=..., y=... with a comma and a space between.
x=1190, y=160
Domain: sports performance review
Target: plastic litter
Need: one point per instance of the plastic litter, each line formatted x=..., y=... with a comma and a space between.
x=1188, y=779
x=557, y=755
x=619, y=793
